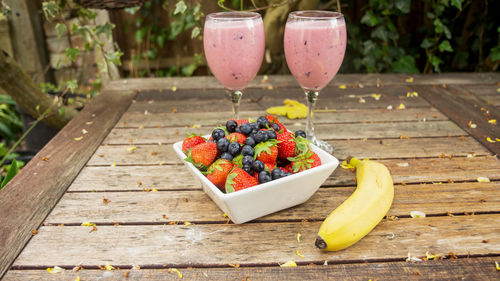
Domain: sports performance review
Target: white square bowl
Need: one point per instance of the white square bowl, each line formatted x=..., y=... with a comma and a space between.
x=263, y=199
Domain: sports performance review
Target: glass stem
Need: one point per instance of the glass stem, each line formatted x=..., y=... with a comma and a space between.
x=235, y=99
x=311, y=96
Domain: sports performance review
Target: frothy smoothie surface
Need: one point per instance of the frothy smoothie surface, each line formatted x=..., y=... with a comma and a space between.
x=314, y=51
x=234, y=50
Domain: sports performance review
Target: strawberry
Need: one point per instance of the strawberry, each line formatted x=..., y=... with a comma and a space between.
x=191, y=141
x=273, y=120
x=202, y=155
x=218, y=171
x=269, y=166
x=240, y=121
x=286, y=145
x=267, y=152
x=237, y=137
x=238, y=179
x=306, y=160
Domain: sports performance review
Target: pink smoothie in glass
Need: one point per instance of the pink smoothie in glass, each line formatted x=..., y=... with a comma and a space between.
x=234, y=51
x=314, y=51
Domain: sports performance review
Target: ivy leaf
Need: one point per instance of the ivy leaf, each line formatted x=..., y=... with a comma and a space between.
x=13, y=170
x=495, y=53
x=61, y=29
x=380, y=32
x=139, y=34
x=445, y=46
x=105, y=29
x=72, y=85
x=405, y=64
x=50, y=9
x=195, y=32
x=369, y=19
x=435, y=61
x=160, y=40
x=72, y=53
x=114, y=57
x=457, y=3
x=180, y=7
x=427, y=43
x=403, y=6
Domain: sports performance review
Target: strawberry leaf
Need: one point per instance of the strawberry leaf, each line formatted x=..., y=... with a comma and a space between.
x=230, y=182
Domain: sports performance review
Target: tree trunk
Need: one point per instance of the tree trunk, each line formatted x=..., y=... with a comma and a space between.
x=17, y=84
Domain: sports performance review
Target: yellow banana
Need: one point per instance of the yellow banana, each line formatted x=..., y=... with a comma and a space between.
x=362, y=211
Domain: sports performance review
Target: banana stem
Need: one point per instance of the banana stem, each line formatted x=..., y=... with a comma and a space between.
x=353, y=161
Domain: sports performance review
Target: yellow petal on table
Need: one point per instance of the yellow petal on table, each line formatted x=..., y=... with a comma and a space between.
x=342, y=86
x=298, y=237
x=411, y=94
x=490, y=140
x=84, y=131
x=108, y=267
x=154, y=190
x=498, y=90
x=409, y=80
x=288, y=263
x=376, y=96
x=483, y=179
x=292, y=109
x=77, y=278
x=78, y=138
x=172, y=270
x=88, y=224
x=401, y=106
x=430, y=257
x=299, y=254
x=174, y=88
x=417, y=214
x=492, y=121
x=55, y=269
x=130, y=149
x=497, y=266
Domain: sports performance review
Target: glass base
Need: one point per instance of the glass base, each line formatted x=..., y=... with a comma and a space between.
x=323, y=145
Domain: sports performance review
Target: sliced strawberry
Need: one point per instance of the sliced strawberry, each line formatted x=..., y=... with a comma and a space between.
x=202, y=155
x=191, y=141
x=238, y=179
x=218, y=171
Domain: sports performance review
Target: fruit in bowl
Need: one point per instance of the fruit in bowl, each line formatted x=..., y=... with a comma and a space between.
x=252, y=168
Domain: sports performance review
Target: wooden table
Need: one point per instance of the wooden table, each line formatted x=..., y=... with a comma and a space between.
x=114, y=166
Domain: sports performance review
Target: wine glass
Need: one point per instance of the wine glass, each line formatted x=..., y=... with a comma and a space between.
x=234, y=47
x=315, y=43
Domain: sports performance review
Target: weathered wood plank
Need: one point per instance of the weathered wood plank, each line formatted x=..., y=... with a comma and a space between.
x=222, y=105
x=452, y=269
x=378, y=149
x=201, y=82
x=29, y=197
x=323, y=131
x=420, y=170
x=135, y=178
x=195, y=206
x=464, y=108
x=254, y=243
x=136, y=119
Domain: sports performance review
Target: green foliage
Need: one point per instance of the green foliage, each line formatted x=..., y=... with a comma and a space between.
x=423, y=36
x=11, y=173
x=10, y=121
x=151, y=35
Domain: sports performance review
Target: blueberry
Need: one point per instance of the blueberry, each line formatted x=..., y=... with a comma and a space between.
x=277, y=173
x=247, y=150
x=276, y=127
x=254, y=125
x=248, y=169
x=258, y=166
x=260, y=136
x=300, y=133
x=250, y=141
x=231, y=125
x=247, y=160
x=234, y=148
x=286, y=174
x=262, y=119
x=218, y=134
x=237, y=130
x=264, y=124
x=222, y=145
x=264, y=177
x=271, y=134
x=245, y=129
x=227, y=156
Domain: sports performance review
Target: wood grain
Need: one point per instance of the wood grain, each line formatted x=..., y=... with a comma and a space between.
x=196, y=207
x=323, y=131
x=201, y=82
x=454, y=269
x=30, y=196
x=164, y=119
x=464, y=108
x=254, y=243
x=374, y=149
x=420, y=170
